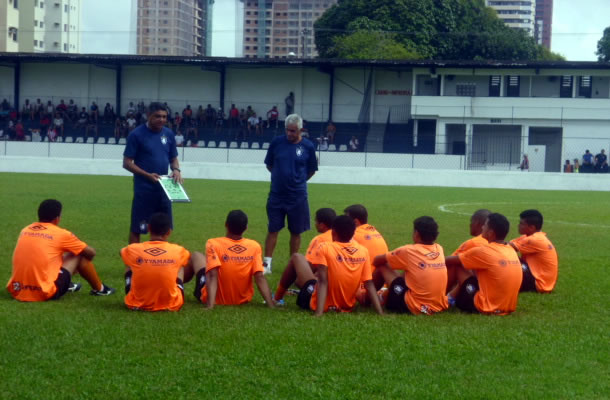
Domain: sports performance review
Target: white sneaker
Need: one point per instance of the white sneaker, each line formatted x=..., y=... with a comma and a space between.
x=266, y=269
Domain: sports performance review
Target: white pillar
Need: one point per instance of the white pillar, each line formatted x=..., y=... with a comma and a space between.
x=525, y=133
x=468, y=144
x=415, y=131
x=442, y=85
x=574, y=79
x=502, y=80
x=441, y=138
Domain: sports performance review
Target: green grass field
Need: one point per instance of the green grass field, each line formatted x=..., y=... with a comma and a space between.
x=555, y=346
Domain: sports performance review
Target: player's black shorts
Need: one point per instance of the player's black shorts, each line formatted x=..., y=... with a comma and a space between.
x=465, y=298
x=528, y=283
x=304, y=297
x=200, y=277
x=62, y=283
x=144, y=205
x=396, y=296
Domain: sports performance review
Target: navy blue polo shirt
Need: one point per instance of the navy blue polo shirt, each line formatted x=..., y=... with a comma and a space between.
x=151, y=151
x=291, y=164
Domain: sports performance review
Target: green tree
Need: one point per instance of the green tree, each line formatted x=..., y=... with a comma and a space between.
x=603, y=46
x=429, y=29
x=374, y=45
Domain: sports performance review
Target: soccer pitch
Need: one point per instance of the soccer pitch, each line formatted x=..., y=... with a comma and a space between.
x=554, y=346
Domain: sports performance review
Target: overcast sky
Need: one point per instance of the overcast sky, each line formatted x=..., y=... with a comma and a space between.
x=108, y=27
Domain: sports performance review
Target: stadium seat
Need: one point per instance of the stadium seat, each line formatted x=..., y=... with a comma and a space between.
x=222, y=144
x=101, y=140
x=212, y=143
x=233, y=145
x=79, y=140
x=201, y=143
x=244, y=145
x=69, y=139
x=59, y=139
x=332, y=147
x=266, y=145
x=122, y=141
x=255, y=145
x=91, y=140
x=343, y=147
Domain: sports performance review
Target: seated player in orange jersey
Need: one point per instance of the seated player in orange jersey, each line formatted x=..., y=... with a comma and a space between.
x=46, y=257
x=422, y=288
x=155, y=269
x=339, y=268
x=489, y=276
x=477, y=220
x=323, y=223
x=538, y=255
x=232, y=262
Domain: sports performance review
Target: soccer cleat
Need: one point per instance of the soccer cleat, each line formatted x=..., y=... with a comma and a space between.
x=280, y=303
x=74, y=287
x=451, y=301
x=293, y=292
x=106, y=291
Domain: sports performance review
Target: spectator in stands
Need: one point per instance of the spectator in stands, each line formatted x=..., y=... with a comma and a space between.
x=45, y=123
x=587, y=162
x=91, y=126
x=273, y=117
x=353, y=144
x=253, y=124
x=50, y=109
x=169, y=110
x=331, y=129
x=576, y=166
x=289, y=101
x=72, y=112
x=200, y=116
x=243, y=124
x=19, y=131
x=190, y=129
x=322, y=143
x=131, y=123
x=58, y=124
x=83, y=119
x=95, y=112
x=601, y=162
x=38, y=108
x=131, y=109
x=210, y=116
x=233, y=117
x=525, y=164
x=51, y=134
x=250, y=112
x=62, y=108
x=28, y=110
x=108, y=113
x=187, y=113
x=5, y=106
x=567, y=167
x=259, y=127
x=10, y=130
x=220, y=121
x=177, y=122
x=118, y=128
x=179, y=139
x=141, y=108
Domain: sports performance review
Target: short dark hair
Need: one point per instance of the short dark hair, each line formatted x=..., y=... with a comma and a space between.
x=499, y=224
x=156, y=106
x=237, y=222
x=344, y=227
x=532, y=217
x=48, y=210
x=326, y=216
x=160, y=224
x=357, y=211
x=427, y=229
x=480, y=216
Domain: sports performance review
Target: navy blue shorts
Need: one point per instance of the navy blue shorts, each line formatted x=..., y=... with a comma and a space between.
x=465, y=298
x=144, y=205
x=297, y=212
x=528, y=282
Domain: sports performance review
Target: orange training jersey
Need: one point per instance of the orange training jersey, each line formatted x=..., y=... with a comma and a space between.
x=37, y=259
x=321, y=238
x=425, y=276
x=368, y=236
x=237, y=262
x=154, y=266
x=469, y=244
x=540, y=255
x=499, y=274
x=348, y=265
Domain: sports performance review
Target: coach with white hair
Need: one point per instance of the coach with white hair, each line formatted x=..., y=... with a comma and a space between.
x=291, y=159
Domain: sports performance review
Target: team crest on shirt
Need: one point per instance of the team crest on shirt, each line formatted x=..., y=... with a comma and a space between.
x=37, y=228
x=421, y=265
x=433, y=255
x=237, y=248
x=139, y=260
x=350, y=250
x=225, y=258
x=155, y=251
x=299, y=151
x=163, y=139
x=339, y=258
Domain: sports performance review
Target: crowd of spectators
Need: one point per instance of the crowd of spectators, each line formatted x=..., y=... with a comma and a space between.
x=590, y=164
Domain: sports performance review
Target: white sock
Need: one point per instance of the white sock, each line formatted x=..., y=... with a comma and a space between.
x=267, y=260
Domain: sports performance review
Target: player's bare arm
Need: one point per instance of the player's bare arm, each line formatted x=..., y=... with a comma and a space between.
x=88, y=252
x=322, y=275
x=370, y=288
x=211, y=278
x=174, y=165
x=130, y=166
x=380, y=260
x=263, y=288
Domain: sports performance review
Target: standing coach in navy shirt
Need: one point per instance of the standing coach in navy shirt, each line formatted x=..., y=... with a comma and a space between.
x=291, y=159
x=150, y=149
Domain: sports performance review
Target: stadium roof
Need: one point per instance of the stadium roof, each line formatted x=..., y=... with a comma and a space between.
x=215, y=62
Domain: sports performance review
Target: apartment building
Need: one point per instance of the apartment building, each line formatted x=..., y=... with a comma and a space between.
x=544, y=22
x=516, y=13
x=9, y=19
x=281, y=28
x=174, y=27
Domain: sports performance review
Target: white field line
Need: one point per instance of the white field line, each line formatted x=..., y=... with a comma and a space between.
x=446, y=208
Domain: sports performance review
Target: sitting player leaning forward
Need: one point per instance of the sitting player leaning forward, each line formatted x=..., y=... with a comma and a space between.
x=538, y=255
x=46, y=257
x=323, y=223
x=422, y=289
x=488, y=277
x=232, y=262
x=339, y=268
x=155, y=270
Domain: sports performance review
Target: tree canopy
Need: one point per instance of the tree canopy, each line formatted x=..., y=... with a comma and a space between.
x=603, y=46
x=426, y=29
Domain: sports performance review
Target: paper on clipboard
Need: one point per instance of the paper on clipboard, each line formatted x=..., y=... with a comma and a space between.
x=174, y=191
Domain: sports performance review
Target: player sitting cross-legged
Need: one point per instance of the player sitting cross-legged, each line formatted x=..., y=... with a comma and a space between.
x=46, y=257
x=323, y=223
x=232, y=262
x=422, y=288
x=156, y=269
x=489, y=276
x=538, y=255
x=339, y=268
